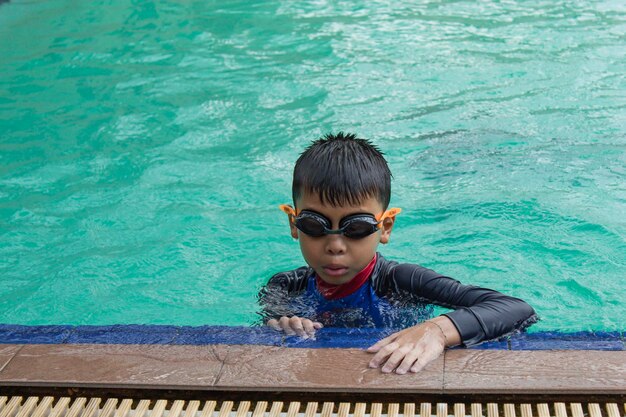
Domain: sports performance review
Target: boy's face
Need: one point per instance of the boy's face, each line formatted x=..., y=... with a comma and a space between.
x=335, y=258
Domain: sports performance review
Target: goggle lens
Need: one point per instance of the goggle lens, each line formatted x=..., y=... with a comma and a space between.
x=310, y=226
x=359, y=228
x=355, y=227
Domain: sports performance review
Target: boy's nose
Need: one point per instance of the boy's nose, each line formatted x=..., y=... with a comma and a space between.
x=335, y=244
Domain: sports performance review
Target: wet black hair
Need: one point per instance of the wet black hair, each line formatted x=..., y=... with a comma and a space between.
x=342, y=170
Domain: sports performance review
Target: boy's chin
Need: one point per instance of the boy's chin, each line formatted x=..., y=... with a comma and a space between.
x=335, y=279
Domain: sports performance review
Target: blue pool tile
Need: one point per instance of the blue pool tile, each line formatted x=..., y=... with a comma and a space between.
x=568, y=341
x=330, y=337
x=262, y=335
x=230, y=335
x=123, y=334
x=17, y=334
x=493, y=344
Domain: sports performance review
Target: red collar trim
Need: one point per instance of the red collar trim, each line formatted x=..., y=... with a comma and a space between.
x=334, y=292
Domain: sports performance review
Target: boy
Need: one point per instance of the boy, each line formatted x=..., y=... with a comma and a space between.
x=341, y=190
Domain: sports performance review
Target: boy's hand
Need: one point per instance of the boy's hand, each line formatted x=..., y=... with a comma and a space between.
x=413, y=348
x=295, y=326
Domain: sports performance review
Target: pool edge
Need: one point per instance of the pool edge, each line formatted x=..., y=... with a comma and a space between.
x=253, y=369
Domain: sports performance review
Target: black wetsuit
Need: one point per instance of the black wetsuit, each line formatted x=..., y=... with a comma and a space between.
x=398, y=295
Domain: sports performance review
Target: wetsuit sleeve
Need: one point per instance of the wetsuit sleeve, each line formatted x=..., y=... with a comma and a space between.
x=479, y=313
x=275, y=297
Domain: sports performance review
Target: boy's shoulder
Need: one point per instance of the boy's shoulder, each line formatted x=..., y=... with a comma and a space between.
x=387, y=268
x=293, y=280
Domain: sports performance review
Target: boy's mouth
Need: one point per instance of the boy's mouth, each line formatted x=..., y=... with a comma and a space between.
x=335, y=270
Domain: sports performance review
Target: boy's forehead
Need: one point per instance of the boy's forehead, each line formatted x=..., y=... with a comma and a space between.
x=312, y=201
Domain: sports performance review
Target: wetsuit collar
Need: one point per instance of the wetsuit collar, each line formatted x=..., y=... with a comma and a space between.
x=334, y=292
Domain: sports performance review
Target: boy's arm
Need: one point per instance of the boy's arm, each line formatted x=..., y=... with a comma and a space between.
x=480, y=313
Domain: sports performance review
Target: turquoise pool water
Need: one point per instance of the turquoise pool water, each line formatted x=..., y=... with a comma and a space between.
x=145, y=147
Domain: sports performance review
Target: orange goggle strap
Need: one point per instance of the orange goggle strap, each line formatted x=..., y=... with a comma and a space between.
x=391, y=213
x=288, y=210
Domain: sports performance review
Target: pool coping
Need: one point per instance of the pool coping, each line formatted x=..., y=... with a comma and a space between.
x=256, y=368
x=521, y=365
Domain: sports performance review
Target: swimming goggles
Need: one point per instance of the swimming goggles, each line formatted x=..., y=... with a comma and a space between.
x=354, y=226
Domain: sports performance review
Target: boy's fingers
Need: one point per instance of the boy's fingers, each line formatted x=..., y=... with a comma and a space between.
x=284, y=324
x=382, y=354
x=297, y=327
x=309, y=327
x=395, y=359
x=410, y=361
x=273, y=323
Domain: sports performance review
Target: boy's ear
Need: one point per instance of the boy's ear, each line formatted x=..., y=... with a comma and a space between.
x=292, y=227
x=386, y=228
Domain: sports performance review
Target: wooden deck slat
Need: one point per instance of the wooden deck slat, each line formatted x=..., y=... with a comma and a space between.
x=209, y=407
x=242, y=410
x=190, y=410
x=543, y=410
x=28, y=407
x=124, y=408
x=393, y=410
x=293, y=410
x=612, y=410
x=159, y=408
x=109, y=408
x=492, y=410
x=577, y=410
x=409, y=410
x=60, y=407
x=459, y=410
x=560, y=410
x=176, y=409
x=277, y=408
x=143, y=407
x=91, y=407
x=327, y=409
x=526, y=410
x=594, y=410
x=442, y=409
x=78, y=406
x=376, y=410
x=509, y=410
x=226, y=408
x=10, y=408
x=44, y=407
x=359, y=409
x=425, y=410
x=259, y=409
x=3, y=401
x=311, y=409
x=477, y=410
x=344, y=409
